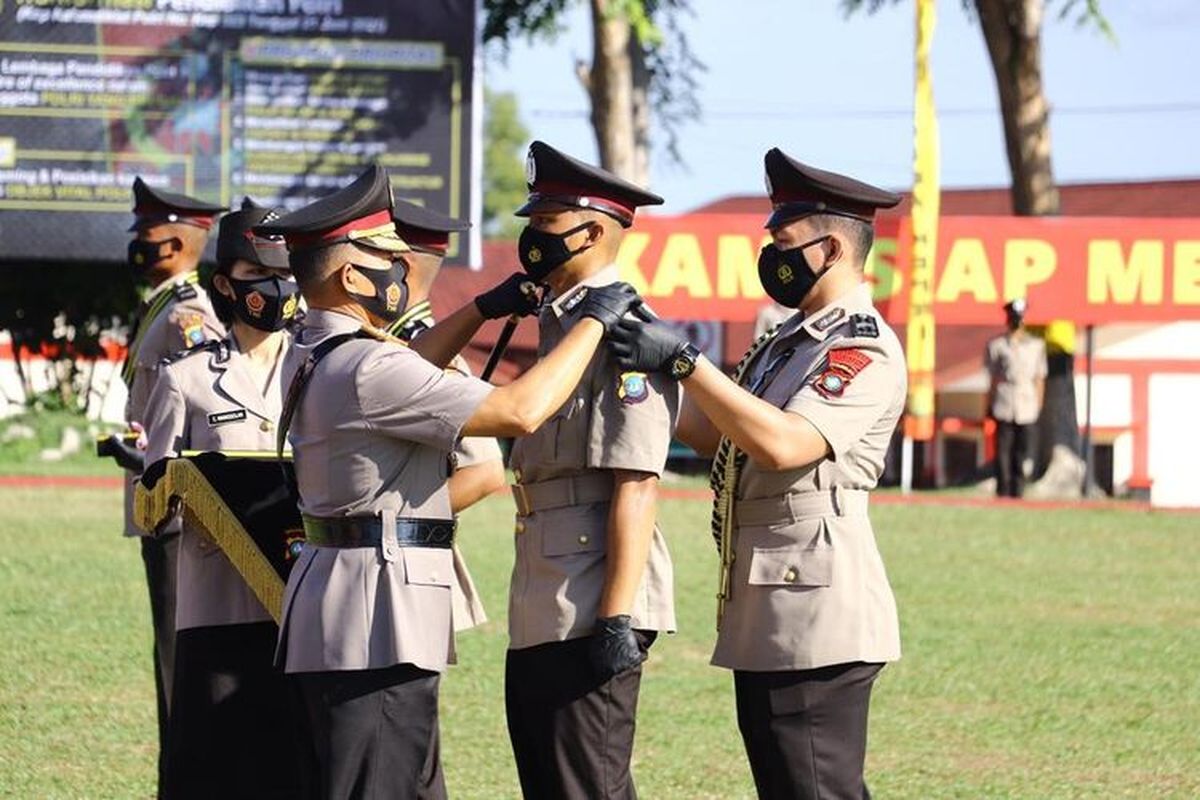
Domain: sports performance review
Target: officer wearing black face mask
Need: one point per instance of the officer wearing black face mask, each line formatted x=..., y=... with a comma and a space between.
x=170, y=231
x=592, y=583
x=229, y=706
x=806, y=616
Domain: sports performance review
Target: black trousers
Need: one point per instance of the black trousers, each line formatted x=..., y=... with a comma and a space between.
x=1012, y=448
x=805, y=731
x=236, y=728
x=572, y=734
x=159, y=556
x=375, y=733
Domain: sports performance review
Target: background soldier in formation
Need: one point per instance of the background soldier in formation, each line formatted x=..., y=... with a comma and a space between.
x=367, y=613
x=592, y=583
x=478, y=464
x=800, y=437
x=170, y=232
x=1016, y=367
x=231, y=730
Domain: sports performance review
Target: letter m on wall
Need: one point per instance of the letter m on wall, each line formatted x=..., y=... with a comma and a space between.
x=1115, y=277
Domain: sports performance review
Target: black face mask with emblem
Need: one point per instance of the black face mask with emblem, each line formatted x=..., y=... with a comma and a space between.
x=786, y=275
x=143, y=255
x=391, y=291
x=267, y=304
x=542, y=252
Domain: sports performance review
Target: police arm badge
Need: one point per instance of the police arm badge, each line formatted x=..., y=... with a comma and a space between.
x=632, y=388
x=191, y=328
x=841, y=366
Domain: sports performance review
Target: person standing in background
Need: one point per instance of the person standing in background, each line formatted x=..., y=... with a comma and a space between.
x=1016, y=365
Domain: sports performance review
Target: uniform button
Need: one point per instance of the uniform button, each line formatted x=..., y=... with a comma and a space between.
x=517, y=475
x=790, y=576
x=519, y=527
x=264, y=426
x=583, y=539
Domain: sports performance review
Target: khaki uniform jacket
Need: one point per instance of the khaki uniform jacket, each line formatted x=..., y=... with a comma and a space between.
x=187, y=320
x=808, y=584
x=612, y=421
x=1016, y=365
x=372, y=435
x=210, y=399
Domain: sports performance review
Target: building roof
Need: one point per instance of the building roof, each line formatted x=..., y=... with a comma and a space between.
x=1161, y=198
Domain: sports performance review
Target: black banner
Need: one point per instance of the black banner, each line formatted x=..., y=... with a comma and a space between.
x=281, y=100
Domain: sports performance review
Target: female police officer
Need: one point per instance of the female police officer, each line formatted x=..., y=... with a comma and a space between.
x=230, y=732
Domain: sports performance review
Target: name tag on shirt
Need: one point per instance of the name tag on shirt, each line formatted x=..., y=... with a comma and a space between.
x=223, y=417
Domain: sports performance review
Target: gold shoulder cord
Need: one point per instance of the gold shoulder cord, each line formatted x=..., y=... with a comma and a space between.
x=723, y=478
x=130, y=366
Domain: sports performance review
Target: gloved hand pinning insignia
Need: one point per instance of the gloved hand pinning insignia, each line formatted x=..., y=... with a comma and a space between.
x=644, y=343
x=605, y=304
x=516, y=294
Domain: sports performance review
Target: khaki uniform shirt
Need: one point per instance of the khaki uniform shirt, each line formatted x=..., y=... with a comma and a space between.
x=808, y=586
x=1016, y=364
x=372, y=435
x=187, y=320
x=211, y=399
x=612, y=421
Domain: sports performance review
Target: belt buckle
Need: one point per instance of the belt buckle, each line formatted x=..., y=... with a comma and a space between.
x=521, y=497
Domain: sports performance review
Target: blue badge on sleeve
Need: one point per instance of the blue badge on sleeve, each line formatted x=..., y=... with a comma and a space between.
x=632, y=388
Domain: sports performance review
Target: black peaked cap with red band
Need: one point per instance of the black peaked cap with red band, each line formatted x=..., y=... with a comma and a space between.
x=797, y=190
x=236, y=238
x=554, y=178
x=360, y=213
x=425, y=229
x=157, y=207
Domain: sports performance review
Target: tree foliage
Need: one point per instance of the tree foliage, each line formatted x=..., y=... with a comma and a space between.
x=504, y=140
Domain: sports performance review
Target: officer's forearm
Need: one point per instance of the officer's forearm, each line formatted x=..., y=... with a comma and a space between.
x=630, y=531
x=444, y=341
x=471, y=484
x=520, y=408
x=772, y=437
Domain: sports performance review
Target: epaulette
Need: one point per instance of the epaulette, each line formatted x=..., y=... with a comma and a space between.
x=864, y=326
x=371, y=332
x=220, y=347
x=184, y=291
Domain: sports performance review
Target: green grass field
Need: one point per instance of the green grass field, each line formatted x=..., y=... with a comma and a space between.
x=1048, y=654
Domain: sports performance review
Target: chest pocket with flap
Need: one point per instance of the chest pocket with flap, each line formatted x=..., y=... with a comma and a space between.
x=792, y=566
x=428, y=566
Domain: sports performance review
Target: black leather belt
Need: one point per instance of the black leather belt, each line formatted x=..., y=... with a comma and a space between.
x=366, y=530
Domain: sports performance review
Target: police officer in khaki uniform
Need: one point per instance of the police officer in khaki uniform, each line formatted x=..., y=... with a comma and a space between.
x=170, y=232
x=1016, y=365
x=367, y=610
x=478, y=462
x=231, y=733
x=807, y=617
x=592, y=582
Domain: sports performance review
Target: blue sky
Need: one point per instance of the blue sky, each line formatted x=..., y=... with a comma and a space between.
x=837, y=93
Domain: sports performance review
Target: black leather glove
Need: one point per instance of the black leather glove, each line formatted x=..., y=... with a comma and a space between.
x=613, y=648
x=605, y=304
x=123, y=452
x=516, y=294
x=644, y=343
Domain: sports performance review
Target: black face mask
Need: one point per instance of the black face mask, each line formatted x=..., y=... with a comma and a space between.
x=264, y=303
x=786, y=275
x=391, y=291
x=143, y=255
x=542, y=252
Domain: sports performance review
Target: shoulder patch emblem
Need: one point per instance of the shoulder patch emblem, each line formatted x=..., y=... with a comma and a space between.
x=865, y=326
x=191, y=328
x=632, y=388
x=841, y=366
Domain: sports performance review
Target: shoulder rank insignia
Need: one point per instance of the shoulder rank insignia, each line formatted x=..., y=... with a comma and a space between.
x=841, y=366
x=184, y=291
x=191, y=328
x=575, y=299
x=210, y=346
x=826, y=321
x=632, y=388
x=865, y=326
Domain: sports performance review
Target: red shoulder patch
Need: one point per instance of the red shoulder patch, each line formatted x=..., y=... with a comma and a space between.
x=841, y=366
